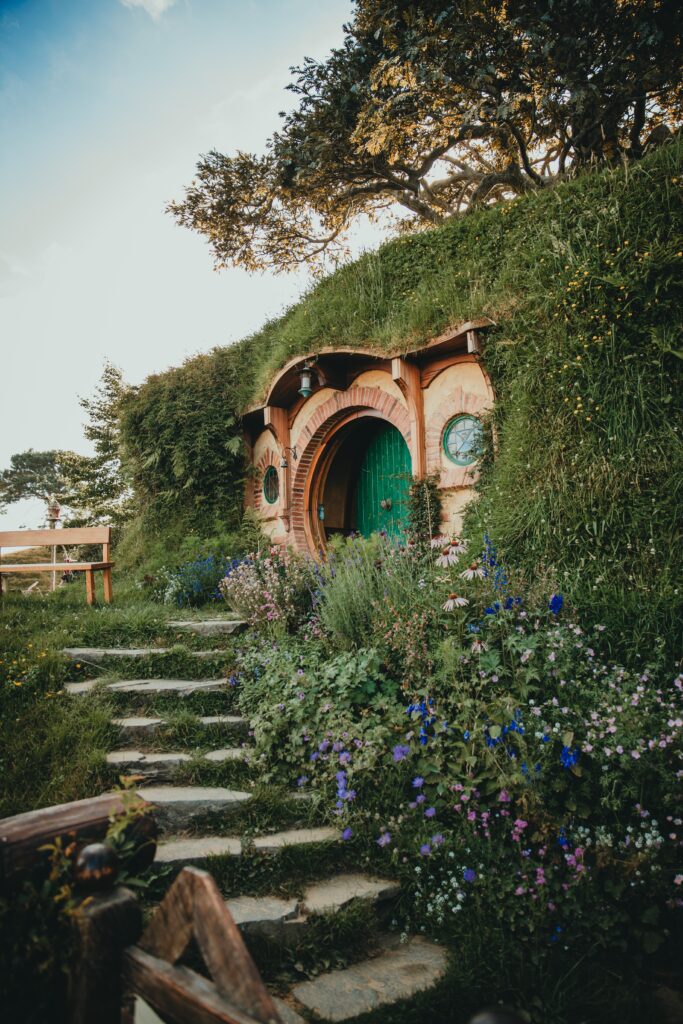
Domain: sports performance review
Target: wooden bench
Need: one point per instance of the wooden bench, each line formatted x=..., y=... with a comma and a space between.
x=60, y=538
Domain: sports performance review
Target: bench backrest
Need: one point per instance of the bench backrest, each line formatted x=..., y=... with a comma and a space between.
x=53, y=538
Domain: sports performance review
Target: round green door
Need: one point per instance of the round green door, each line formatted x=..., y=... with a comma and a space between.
x=383, y=484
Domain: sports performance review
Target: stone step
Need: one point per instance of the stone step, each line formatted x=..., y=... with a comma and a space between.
x=334, y=894
x=97, y=654
x=198, y=848
x=139, y=727
x=178, y=807
x=399, y=972
x=161, y=765
x=285, y=920
x=209, y=627
x=183, y=687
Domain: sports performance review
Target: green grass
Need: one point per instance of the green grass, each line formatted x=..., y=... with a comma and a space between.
x=53, y=747
x=585, y=284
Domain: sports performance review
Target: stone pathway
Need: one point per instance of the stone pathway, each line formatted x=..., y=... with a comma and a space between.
x=396, y=971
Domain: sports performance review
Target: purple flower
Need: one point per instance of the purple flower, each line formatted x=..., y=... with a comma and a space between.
x=341, y=778
x=384, y=839
x=314, y=756
x=469, y=875
x=430, y=812
x=412, y=805
x=400, y=752
x=418, y=782
x=347, y=833
x=280, y=707
x=420, y=799
x=425, y=850
x=302, y=780
x=322, y=747
x=301, y=695
x=438, y=839
x=344, y=757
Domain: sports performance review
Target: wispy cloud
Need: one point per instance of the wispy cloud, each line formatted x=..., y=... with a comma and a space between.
x=155, y=8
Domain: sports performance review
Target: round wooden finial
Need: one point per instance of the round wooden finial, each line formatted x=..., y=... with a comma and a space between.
x=97, y=867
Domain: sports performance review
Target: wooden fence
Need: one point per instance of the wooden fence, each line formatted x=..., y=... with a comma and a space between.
x=116, y=959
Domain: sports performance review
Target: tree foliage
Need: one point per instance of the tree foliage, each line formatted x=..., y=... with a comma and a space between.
x=438, y=106
x=91, y=487
x=33, y=474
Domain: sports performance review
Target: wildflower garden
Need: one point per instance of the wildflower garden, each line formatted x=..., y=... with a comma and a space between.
x=491, y=717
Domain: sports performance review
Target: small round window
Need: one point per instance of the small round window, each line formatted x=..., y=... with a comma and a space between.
x=462, y=440
x=271, y=485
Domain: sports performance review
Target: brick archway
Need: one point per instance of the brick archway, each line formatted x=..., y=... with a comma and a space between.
x=340, y=409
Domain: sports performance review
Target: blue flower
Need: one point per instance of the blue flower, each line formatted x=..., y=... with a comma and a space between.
x=400, y=752
x=555, y=604
x=418, y=782
x=347, y=833
x=569, y=757
x=469, y=875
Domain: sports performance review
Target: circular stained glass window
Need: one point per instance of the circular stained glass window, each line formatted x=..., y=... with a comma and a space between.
x=462, y=440
x=271, y=485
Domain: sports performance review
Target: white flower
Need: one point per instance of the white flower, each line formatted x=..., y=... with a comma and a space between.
x=454, y=601
x=437, y=542
x=472, y=571
x=446, y=557
x=457, y=546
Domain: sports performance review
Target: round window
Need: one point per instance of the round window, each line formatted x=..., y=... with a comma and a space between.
x=271, y=485
x=462, y=440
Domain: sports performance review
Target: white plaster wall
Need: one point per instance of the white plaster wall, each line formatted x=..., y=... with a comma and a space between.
x=461, y=388
x=265, y=446
x=382, y=380
x=306, y=411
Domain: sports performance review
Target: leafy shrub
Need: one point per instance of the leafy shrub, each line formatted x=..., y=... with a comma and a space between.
x=192, y=584
x=526, y=788
x=270, y=589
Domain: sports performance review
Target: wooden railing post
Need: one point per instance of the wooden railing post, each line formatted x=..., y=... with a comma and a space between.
x=107, y=923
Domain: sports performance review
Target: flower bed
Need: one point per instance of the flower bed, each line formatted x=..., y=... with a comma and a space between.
x=485, y=747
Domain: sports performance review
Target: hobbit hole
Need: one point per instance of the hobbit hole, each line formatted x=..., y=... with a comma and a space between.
x=342, y=433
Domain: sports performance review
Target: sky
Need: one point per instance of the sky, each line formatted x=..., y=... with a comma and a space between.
x=105, y=107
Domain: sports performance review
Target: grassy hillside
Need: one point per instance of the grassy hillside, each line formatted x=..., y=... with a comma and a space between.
x=585, y=284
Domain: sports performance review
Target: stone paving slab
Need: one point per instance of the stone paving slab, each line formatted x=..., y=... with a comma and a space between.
x=138, y=759
x=226, y=754
x=334, y=894
x=250, y=911
x=287, y=1014
x=176, y=807
x=294, y=837
x=100, y=653
x=209, y=627
x=181, y=686
x=193, y=848
x=395, y=974
x=177, y=851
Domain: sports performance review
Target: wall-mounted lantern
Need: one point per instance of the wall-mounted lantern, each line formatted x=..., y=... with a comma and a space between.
x=283, y=458
x=306, y=388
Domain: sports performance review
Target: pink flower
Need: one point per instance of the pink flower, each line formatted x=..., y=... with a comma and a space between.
x=454, y=601
x=473, y=571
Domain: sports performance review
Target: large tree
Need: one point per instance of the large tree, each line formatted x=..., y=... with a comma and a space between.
x=434, y=107
x=92, y=488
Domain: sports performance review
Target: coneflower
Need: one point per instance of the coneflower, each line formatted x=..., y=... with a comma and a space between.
x=472, y=571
